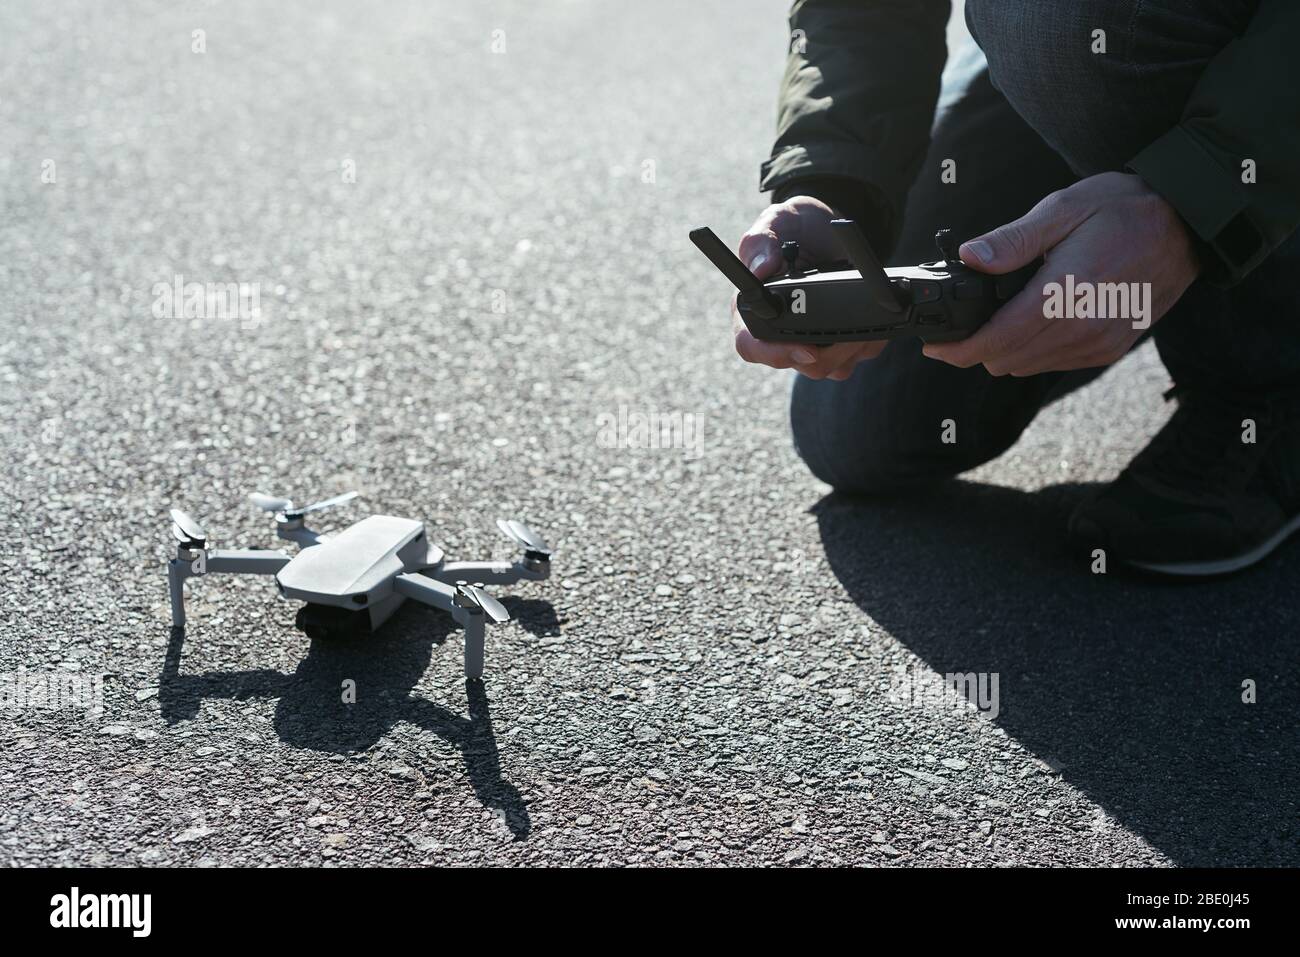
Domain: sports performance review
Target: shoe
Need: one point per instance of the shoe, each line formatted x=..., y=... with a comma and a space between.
x=1200, y=500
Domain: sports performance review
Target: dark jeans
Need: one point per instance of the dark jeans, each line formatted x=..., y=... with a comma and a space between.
x=1045, y=112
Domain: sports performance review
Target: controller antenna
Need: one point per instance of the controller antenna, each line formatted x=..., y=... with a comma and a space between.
x=760, y=302
x=864, y=261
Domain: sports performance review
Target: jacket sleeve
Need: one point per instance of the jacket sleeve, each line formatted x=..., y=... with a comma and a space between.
x=1244, y=112
x=857, y=101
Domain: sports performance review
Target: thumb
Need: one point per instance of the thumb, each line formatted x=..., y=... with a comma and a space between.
x=760, y=251
x=1020, y=241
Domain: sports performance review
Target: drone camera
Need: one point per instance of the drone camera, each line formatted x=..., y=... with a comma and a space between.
x=330, y=622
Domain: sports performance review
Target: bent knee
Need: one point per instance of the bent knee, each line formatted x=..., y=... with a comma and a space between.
x=859, y=453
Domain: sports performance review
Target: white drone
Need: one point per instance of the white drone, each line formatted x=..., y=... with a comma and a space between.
x=354, y=581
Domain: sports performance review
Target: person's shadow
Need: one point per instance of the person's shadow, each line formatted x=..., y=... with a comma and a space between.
x=311, y=711
x=1133, y=689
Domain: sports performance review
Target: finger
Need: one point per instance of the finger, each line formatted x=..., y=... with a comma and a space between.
x=1023, y=240
x=866, y=352
x=1088, y=353
x=760, y=247
x=778, y=355
x=1067, y=343
x=852, y=366
x=1009, y=330
x=1036, y=355
x=761, y=253
x=1060, y=346
x=831, y=358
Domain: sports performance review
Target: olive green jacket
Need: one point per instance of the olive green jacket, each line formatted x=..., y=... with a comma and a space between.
x=859, y=93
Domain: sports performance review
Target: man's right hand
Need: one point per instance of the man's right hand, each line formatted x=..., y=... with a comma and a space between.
x=807, y=221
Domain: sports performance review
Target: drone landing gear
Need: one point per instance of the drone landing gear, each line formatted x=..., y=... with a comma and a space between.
x=194, y=559
x=469, y=605
x=475, y=639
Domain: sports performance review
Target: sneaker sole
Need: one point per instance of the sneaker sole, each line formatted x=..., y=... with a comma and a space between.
x=1221, y=566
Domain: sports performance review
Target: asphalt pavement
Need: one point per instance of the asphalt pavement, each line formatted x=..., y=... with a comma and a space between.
x=466, y=228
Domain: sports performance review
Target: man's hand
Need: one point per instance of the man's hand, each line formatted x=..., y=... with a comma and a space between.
x=807, y=221
x=1110, y=228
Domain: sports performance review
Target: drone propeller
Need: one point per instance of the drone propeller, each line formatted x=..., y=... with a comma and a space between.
x=326, y=503
x=522, y=535
x=475, y=593
x=187, y=531
x=269, y=503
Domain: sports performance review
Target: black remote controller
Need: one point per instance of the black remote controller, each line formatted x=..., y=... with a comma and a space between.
x=858, y=301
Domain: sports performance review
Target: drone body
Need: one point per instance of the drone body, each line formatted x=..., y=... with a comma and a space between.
x=354, y=581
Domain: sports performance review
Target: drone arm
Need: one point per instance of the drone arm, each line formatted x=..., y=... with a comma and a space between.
x=428, y=591
x=250, y=561
x=489, y=573
x=194, y=563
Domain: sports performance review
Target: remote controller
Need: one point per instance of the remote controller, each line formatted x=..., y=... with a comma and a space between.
x=857, y=300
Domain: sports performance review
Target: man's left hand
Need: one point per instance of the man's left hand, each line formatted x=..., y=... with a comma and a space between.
x=1110, y=228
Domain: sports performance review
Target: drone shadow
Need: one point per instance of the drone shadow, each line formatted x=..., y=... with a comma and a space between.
x=385, y=668
x=534, y=615
x=1132, y=688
